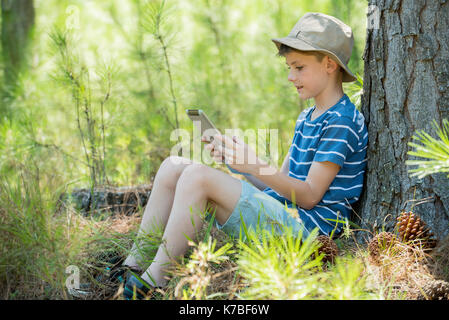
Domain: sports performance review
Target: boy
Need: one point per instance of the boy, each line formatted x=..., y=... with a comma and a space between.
x=329, y=146
x=323, y=169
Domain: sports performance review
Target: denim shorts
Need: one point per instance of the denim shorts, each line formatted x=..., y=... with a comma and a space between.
x=259, y=210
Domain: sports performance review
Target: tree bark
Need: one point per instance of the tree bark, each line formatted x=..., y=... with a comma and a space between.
x=17, y=24
x=406, y=86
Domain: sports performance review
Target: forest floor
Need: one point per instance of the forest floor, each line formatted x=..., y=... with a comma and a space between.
x=408, y=272
x=39, y=243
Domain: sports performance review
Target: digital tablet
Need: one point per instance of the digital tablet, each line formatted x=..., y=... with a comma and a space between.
x=207, y=129
x=205, y=126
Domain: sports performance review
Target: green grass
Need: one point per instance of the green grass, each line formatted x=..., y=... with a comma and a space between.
x=36, y=244
x=40, y=239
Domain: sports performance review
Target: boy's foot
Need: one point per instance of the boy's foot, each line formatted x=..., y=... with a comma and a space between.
x=138, y=286
x=118, y=273
x=122, y=272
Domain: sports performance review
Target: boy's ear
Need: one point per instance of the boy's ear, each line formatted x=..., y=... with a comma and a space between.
x=330, y=64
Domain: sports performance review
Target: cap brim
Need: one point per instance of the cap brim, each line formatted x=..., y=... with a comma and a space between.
x=301, y=45
x=294, y=43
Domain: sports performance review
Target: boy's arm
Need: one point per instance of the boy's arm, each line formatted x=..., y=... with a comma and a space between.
x=307, y=193
x=262, y=186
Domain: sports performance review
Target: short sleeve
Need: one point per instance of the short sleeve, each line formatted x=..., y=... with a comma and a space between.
x=339, y=139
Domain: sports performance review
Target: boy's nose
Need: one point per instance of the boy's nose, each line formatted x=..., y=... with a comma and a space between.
x=291, y=77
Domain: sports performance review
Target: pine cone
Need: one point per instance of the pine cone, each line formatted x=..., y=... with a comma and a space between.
x=380, y=243
x=411, y=228
x=328, y=247
x=435, y=290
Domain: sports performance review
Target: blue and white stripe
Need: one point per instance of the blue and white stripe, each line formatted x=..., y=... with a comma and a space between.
x=338, y=135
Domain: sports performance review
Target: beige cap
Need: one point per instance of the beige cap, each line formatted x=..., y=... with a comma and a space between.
x=320, y=32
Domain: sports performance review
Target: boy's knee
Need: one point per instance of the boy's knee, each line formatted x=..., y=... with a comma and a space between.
x=194, y=175
x=172, y=167
x=174, y=161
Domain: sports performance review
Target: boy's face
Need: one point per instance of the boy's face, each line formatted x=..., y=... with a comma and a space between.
x=309, y=76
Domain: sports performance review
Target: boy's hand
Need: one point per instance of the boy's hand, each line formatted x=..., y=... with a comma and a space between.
x=235, y=153
x=217, y=156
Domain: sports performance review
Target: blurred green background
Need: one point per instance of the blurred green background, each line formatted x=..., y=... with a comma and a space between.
x=108, y=81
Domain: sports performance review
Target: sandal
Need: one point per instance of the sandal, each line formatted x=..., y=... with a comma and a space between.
x=117, y=273
x=122, y=272
x=136, y=286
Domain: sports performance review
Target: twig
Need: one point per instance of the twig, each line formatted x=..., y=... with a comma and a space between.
x=52, y=145
x=159, y=37
x=105, y=99
x=167, y=63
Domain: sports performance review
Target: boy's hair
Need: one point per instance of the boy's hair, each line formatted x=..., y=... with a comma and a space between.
x=284, y=50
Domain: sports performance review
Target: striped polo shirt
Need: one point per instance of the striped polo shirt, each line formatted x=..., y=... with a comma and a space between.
x=338, y=135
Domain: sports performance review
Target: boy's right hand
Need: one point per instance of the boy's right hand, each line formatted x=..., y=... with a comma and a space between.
x=216, y=155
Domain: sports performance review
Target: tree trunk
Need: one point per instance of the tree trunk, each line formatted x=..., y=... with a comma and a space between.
x=406, y=86
x=17, y=23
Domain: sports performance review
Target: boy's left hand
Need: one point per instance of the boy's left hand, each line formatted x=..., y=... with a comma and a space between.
x=236, y=153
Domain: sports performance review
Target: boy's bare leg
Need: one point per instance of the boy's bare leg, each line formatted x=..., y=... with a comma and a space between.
x=197, y=185
x=160, y=202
